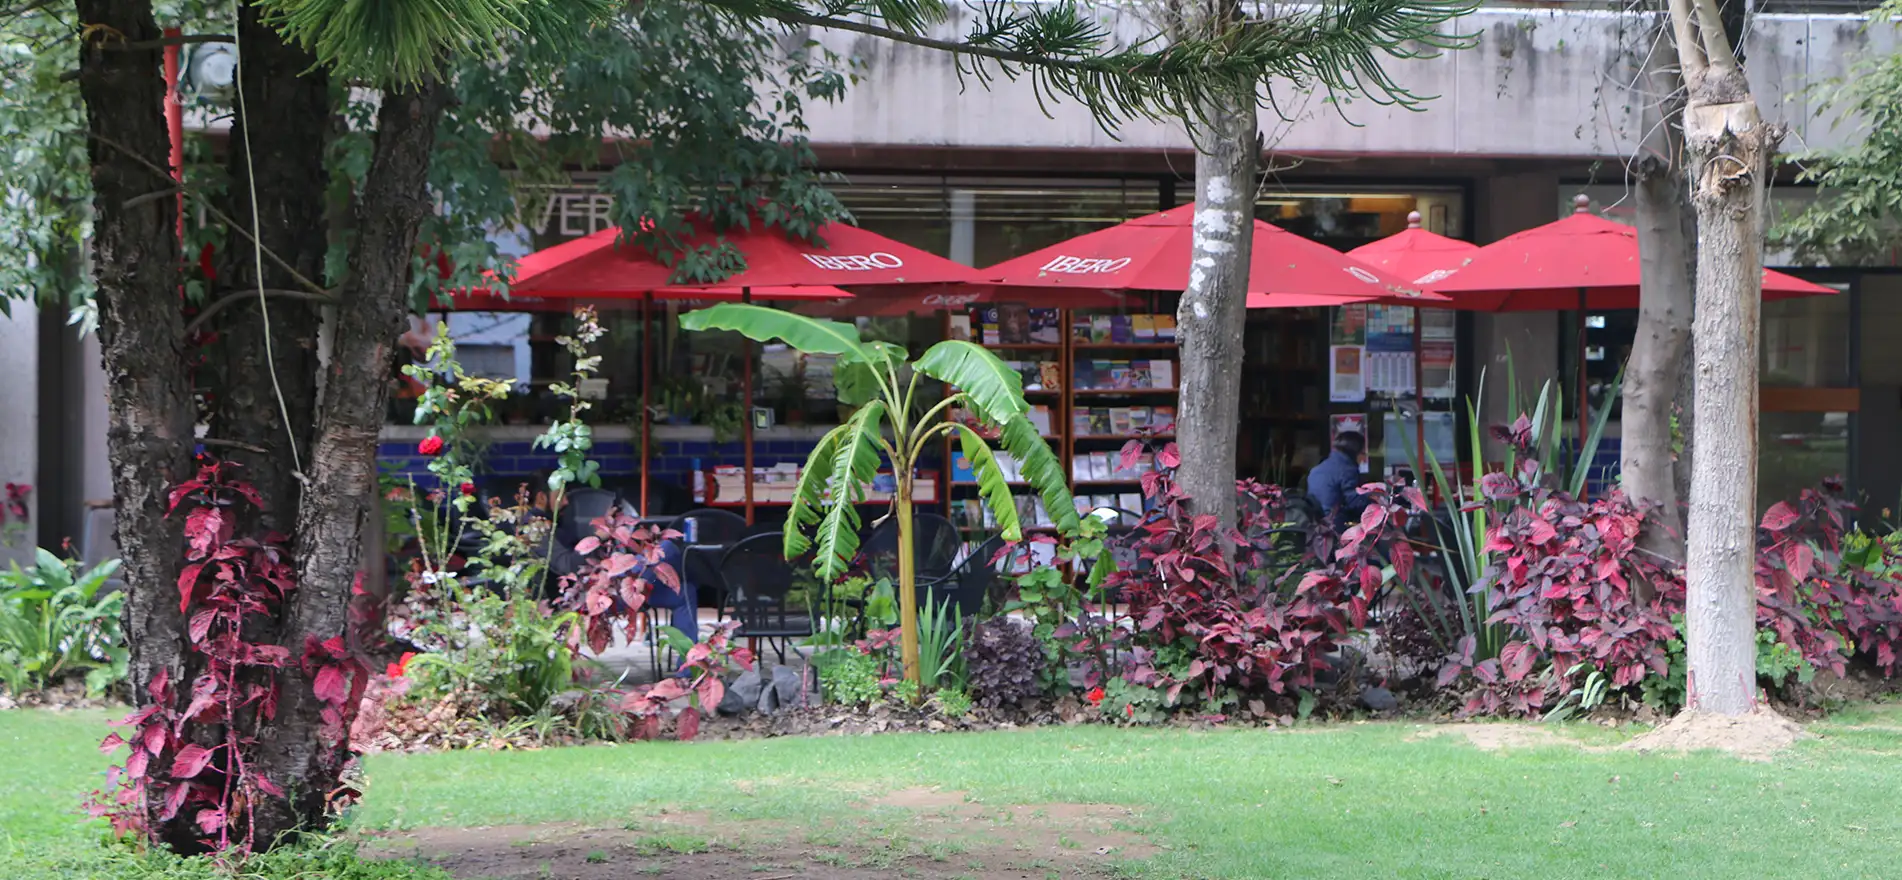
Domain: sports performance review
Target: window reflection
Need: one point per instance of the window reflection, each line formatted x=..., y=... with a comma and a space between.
x=1796, y=450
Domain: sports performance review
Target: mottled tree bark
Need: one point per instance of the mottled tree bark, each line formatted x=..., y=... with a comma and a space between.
x=340, y=496
x=1655, y=377
x=1214, y=308
x=1729, y=149
x=283, y=124
x=135, y=267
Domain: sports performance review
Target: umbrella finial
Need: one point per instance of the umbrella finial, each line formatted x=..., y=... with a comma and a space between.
x=1413, y=219
x=1581, y=204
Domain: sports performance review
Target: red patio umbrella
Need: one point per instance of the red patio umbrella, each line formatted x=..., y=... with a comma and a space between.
x=1415, y=254
x=600, y=265
x=1152, y=254
x=1583, y=262
x=483, y=299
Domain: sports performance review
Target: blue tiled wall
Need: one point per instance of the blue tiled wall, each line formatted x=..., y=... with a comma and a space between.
x=508, y=462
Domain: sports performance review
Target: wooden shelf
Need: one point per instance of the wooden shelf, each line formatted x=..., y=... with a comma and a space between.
x=1024, y=346
x=1126, y=346
x=1122, y=392
x=1129, y=482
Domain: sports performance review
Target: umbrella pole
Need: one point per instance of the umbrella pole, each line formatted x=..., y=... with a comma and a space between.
x=746, y=407
x=1419, y=398
x=647, y=382
x=1584, y=386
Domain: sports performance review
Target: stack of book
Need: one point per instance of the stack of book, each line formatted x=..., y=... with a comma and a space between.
x=1123, y=329
x=1040, y=416
x=1126, y=375
x=1106, y=466
x=973, y=513
x=1122, y=421
x=1008, y=324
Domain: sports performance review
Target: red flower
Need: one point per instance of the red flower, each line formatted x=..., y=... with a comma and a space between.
x=1095, y=697
x=431, y=445
x=1129, y=710
x=205, y=264
x=468, y=489
x=401, y=666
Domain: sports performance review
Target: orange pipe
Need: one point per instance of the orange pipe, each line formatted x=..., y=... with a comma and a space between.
x=175, y=125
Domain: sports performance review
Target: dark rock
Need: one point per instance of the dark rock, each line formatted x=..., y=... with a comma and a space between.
x=1379, y=699
x=788, y=686
x=742, y=694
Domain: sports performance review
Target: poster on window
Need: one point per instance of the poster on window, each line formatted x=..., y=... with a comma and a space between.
x=1390, y=372
x=1341, y=422
x=1349, y=326
x=1347, y=374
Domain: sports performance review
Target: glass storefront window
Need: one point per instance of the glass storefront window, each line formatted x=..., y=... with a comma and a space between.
x=1348, y=219
x=1796, y=450
x=1805, y=343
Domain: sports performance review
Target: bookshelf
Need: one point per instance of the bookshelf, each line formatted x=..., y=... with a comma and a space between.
x=1284, y=393
x=1098, y=379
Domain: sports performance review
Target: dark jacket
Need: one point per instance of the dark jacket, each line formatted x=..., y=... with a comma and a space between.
x=1333, y=484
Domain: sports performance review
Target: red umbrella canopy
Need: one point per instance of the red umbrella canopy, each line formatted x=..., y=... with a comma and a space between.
x=1550, y=267
x=1415, y=254
x=483, y=299
x=1153, y=252
x=599, y=265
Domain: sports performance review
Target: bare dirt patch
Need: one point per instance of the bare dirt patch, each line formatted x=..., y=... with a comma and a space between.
x=1500, y=737
x=1757, y=736
x=918, y=833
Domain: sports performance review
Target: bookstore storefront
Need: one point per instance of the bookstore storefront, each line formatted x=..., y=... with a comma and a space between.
x=1097, y=378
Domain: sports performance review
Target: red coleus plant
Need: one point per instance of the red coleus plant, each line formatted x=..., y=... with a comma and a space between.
x=622, y=561
x=1566, y=580
x=229, y=585
x=1820, y=594
x=1244, y=631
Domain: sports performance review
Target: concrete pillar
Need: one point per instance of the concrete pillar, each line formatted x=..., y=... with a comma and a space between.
x=1509, y=203
x=19, y=423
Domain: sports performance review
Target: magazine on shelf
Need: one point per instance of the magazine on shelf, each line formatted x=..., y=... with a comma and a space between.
x=1045, y=326
x=1162, y=374
x=1013, y=323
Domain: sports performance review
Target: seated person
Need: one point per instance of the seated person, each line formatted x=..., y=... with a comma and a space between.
x=684, y=602
x=1334, y=484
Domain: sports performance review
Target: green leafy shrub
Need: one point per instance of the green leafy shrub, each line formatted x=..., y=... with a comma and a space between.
x=848, y=677
x=54, y=623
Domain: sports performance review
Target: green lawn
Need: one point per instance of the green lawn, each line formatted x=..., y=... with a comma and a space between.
x=1353, y=801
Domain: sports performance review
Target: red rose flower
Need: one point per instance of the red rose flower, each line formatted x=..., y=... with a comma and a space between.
x=468, y=489
x=430, y=446
x=205, y=263
x=1095, y=697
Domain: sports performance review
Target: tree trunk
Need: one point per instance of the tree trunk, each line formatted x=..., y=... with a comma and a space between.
x=340, y=495
x=1214, y=307
x=135, y=265
x=262, y=380
x=1729, y=150
x=1654, y=377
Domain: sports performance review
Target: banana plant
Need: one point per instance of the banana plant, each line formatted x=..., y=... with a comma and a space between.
x=894, y=424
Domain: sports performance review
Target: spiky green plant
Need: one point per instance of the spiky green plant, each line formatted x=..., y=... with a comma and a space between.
x=894, y=425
